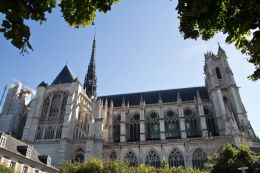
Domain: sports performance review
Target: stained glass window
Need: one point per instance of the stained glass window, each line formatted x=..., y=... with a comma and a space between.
x=199, y=158
x=175, y=159
x=153, y=159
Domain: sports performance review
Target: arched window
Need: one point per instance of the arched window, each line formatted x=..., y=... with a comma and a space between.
x=133, y=128
x=53, y=112
x=79, y=156
x=175, y=159
x=54, y=107
x=198, y=159
x=113, y=156
x=153, y=127
x=192, y=124
x=218, y=73
x=153, y=159
x=172, y=125
x=131, y=158
x=212, y=131
x=116, y=128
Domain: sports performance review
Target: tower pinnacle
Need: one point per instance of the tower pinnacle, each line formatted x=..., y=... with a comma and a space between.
x=90, y=83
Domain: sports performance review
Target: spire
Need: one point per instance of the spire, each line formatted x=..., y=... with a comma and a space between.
x=221, y=52
x=90, y=84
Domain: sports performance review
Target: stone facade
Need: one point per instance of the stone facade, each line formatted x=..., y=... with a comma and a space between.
x=182, y=126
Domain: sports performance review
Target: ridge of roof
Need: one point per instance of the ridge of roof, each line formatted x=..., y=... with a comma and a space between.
x=151, y=97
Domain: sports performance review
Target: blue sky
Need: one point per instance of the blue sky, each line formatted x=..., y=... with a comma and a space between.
x=139, y=48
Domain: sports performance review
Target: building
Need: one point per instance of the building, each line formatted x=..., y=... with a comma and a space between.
x=67, y=120
x=15, y=109
x=22, y=157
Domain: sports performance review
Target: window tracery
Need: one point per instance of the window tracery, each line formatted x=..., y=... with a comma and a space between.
x=153, y=159
x=133, y=128
x=199, y=158
x=116, y=128
x=153, y=127
x=52, y=116
x=172, y=125
x=175, y=159
x=192, y=124
x=131, y=158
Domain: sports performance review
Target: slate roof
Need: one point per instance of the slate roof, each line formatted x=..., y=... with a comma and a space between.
x=19, y=148
x=42, y=84
x=151, y=97
x=65, y=76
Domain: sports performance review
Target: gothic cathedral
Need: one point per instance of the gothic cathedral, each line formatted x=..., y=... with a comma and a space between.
x=67, y=120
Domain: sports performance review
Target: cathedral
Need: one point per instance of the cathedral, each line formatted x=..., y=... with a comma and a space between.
x=68, y=121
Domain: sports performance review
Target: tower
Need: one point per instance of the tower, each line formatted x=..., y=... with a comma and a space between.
x=90, y=83
x=230, y=113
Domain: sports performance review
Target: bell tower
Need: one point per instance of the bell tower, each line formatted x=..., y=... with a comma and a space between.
x=230, y=112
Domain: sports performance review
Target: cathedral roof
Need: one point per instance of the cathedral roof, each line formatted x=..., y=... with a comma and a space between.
x=151, y=97
x=65, y=76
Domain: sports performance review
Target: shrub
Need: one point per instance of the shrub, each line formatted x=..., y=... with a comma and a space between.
x=4, y=169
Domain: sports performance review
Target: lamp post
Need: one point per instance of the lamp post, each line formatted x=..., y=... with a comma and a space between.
x=243, y=169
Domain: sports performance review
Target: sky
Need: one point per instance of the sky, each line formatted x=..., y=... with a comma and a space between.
x=138, y=48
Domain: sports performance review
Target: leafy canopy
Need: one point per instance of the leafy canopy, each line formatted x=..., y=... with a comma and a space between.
x=238, y=19
x=230, y=159
x=77, y=13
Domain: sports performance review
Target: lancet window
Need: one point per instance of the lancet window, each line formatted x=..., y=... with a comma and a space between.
x=198, y=159
x=131, y=158
x=153, y=159
x=192, y=124
x=218, y=73
x=175, y=159
x=172, y=125
x=133, y=128
x=116, y=128
x=153, y=126
x=212, y=131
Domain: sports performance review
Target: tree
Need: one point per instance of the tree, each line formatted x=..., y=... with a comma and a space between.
x=231, y=158
x=77, y=13
x=239, y=19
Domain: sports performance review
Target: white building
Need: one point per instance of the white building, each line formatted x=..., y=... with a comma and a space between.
x=67, y=120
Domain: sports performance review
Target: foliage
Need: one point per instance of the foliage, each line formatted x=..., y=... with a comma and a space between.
x=4, y=169
x=78, y=13
x=240, y=20
x=231, y=158
x=119, y=166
